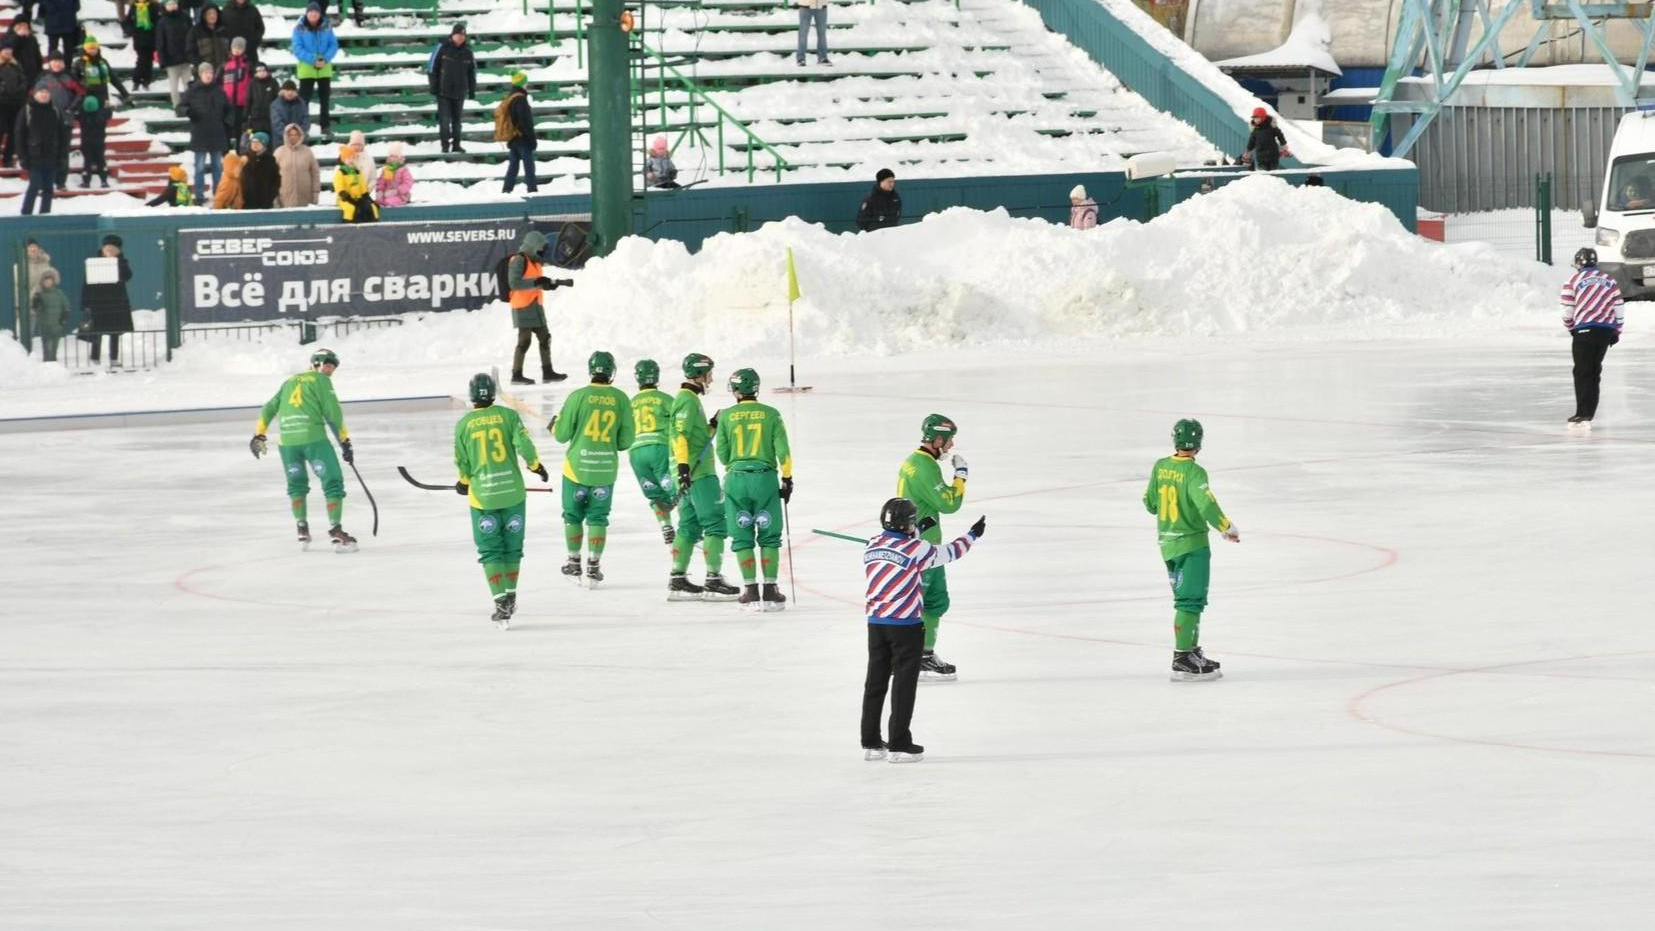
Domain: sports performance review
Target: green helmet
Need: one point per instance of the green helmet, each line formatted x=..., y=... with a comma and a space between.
x=1186, y=434
x=745, y=382
x=647, y=372
x=601, y=365
x=323, y=357
x=937, y=427
x=481, y=388
x=697, y=365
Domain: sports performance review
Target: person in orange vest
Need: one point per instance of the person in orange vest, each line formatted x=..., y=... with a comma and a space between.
x=525, y=280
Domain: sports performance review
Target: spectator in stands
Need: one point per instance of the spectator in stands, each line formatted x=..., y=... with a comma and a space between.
x=261, y=177
x=300, y=173
x=62, y=21
x=208, y=111
x=227, y=193
x=350, y=189
x=883, y=205
x=1266, y=145
x=812, y=11
x=1083, y=211
x=363, y=160
x=519, y=130
x=95, y=76
x=290, y=109
x=260, y=96
x=356, y=10
x=453, y=82
x=394, y=185
x=14, y=95
x=243, y=20
x=659, y=171
x=25, y=47
x=39, y=132
x=66, y=98
x=50, y=310
x=105, y=308
x=140, y=22
x=177, y=193
x=208, y=43
x=315, y=47
x=39, y=261
x=236, y=78
x=172, y=48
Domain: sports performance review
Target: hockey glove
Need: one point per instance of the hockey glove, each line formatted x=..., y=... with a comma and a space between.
x=346, y=453
x=978, y=528
x=712, y=422
x=1231, y=533
x=787, y=490
x=683, y=480
x=544, y=283
x=961, y=469
x=259, y=446
x=925, y=523
x=540, y=470
x=551, y=425
x=461, y=488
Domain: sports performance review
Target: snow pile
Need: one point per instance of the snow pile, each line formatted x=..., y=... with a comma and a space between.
x=19, y=370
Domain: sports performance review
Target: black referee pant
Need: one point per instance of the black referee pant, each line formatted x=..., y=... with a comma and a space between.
x=1590, y=345
x=893, y=661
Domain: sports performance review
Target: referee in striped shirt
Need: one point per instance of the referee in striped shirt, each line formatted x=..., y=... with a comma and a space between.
x=1594, y=311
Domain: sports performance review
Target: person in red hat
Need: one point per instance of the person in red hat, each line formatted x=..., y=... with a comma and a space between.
x=1266, y=145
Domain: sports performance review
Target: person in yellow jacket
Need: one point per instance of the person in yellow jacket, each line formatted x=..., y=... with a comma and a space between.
x=351, y=190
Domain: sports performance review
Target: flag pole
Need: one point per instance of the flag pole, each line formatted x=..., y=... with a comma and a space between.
x=792, y=343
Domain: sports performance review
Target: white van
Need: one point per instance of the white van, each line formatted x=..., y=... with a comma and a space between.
x=1624, y=215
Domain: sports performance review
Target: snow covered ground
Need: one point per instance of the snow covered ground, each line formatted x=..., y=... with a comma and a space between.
x=1435, y=697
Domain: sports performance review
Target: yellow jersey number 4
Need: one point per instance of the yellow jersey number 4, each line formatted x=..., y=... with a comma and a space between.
x=600, y=426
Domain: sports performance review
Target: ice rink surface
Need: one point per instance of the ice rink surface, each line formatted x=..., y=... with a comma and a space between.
x=1435, y=634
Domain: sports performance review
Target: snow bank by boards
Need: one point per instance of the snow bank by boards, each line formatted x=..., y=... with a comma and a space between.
x=1257, y=257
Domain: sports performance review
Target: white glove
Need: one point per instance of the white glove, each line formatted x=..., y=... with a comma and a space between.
x=961, y=469
x=1232, y=533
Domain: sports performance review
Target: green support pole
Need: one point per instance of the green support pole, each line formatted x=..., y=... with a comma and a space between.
x=1543, y=217
x=607, y=86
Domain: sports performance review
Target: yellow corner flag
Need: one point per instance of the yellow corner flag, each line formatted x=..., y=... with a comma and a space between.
x=792, y=278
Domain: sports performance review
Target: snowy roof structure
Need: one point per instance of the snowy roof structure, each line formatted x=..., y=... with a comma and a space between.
x=1306, y=49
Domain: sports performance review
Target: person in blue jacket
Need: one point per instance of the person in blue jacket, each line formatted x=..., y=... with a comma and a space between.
x=315, y=47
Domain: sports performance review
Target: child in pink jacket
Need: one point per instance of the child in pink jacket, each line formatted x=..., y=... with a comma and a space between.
x=395, y=185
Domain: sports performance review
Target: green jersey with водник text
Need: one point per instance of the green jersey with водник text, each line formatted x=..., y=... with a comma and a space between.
x=751, y=437
x=920, y=481
x=651, y=418
x=306, y=406
x=1183, y=506
x=487, y=444
x=691, y=437
x=596, y=423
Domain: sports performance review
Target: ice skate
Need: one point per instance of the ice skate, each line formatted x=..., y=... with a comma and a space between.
x=774, y=600
x=304, y=536
x=872, y=754
x=1191, y=666
x=342, y=541
x=912, y=753
x=511, y=604
x=1579, y=424
x=750, y=597
x=571, y=570
x=680, y=588
x=594, y=575
x=502, y=612
x=716, y=589
x=936, y=669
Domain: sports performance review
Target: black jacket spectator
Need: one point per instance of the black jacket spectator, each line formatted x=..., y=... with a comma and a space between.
x=62, y=18
x=208, y=41
x=26, y=49
x=261, y=181
x=209, y=113
x=881, y=208
x=39, y=134
x=1265, y=144
x=260, y=96
x=454, y=75
x=172, y=38
x=521, y=116
x=241, y=19
x=106, y=306
x=14, y=86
